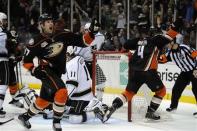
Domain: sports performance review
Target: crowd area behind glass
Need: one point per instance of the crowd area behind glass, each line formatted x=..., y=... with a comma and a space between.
x=24, y=15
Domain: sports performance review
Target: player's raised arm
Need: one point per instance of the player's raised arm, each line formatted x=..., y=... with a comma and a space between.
x=85, y=39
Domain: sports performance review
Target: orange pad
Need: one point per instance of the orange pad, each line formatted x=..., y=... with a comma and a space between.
x=61, y=96
x=41, y=103
x=13, y=89
x=128, y=94
x=161, y=93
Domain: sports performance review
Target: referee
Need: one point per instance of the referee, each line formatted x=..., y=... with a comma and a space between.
x=185, y=58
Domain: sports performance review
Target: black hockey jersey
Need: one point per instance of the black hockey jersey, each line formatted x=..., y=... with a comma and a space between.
x=147, y=50
x=51, y=50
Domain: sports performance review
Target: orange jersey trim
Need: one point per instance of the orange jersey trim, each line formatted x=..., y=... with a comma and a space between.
x=154, y=61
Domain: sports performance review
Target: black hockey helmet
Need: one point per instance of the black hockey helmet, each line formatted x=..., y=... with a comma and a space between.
x=178, y=24
x=44, y=17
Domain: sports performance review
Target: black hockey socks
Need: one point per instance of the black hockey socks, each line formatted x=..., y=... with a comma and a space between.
x=58, y=111
x=117, y=103
x=154, y=105
x=155, y=102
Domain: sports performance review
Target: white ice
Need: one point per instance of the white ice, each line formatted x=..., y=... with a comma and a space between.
x=181, y=120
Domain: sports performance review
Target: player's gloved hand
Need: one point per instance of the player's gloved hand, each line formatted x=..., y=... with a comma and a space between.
x=195, y=73
x=94, y=26
x=38, y=72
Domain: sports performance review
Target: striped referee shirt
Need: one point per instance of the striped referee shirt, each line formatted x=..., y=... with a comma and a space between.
x=183, y=58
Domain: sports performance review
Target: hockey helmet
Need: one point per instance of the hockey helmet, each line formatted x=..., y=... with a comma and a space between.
x=3, y=16
x=44, y=17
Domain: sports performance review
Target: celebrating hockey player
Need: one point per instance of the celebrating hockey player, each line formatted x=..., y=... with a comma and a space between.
x=50, y=48
x=81, y=102
x=143, y=69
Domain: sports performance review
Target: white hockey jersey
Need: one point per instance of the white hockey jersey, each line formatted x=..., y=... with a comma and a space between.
x=86, y=52
x=77, y=72
x=3, y=49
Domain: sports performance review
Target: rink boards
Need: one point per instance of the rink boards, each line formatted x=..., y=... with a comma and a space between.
x=167, y=72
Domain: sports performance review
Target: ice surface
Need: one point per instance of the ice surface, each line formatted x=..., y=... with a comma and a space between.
x=181, y=120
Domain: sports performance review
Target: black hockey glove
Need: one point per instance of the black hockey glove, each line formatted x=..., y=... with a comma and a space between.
x=94, y=27
x=38, y=72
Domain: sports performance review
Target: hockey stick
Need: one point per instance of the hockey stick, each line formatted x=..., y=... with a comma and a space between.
x=17, y=77
x=4, y=122
x=20, y=74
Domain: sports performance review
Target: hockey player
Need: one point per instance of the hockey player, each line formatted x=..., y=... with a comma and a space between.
x=8, y=46
x=15, y=56
x=81, y=102
x=4, y=58
x=143, y=69
x=87, y=54
x=50, y=48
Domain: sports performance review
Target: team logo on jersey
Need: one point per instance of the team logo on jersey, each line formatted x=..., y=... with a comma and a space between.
x=31, y=41
x=54, y=49
x=44, y=44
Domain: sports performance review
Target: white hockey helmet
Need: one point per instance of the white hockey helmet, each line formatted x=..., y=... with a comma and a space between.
x=2, y=17
x=87, y=26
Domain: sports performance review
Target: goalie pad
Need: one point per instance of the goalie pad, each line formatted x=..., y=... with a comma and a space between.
x=27, y=95
x=94, y=103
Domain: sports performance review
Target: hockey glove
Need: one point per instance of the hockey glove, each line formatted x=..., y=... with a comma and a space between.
x=195, y=73
x=38, y=72
x=94, y=26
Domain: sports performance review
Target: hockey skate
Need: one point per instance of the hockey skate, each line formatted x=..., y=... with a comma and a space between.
x=195, y=114
x=2, y=113
x=151, y=114
x=108, y=113
x=24, y=119
x=170, y=109
x=16, y=103
x=99, y=113
x=57, y=127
